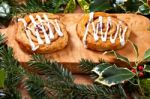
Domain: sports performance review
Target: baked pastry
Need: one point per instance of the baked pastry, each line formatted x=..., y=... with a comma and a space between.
x=41, y=33
x=101, y=32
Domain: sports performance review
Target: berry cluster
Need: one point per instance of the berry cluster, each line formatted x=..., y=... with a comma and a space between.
x=139, y=70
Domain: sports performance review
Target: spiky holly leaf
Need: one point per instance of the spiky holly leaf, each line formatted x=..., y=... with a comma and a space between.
x=113, y=75
x=135, y=49
x=120, y=57
x=147, y=55
x=101, y=5
x=147, y=68
x=101, y=67
x=4, y=10
x=144, y=9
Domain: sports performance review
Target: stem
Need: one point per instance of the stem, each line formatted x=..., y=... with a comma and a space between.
x=140, y=86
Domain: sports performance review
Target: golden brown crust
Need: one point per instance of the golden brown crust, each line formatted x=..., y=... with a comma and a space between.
x=56, y=44
x=100, y=45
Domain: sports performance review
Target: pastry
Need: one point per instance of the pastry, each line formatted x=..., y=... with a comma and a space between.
x=41, y=33
x=101, y=32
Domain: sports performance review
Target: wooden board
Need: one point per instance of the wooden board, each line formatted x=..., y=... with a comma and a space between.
x=72, y=54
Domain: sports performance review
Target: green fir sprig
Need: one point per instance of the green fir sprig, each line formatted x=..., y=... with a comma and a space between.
x=52, y=80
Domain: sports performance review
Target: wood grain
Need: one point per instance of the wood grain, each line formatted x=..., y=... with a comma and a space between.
x=72, y=54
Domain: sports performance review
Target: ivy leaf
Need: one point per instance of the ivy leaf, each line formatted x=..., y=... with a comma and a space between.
x=84, y=5
x=71, y=6
x=2, y=78
x=147, y=55
x=113, y=75
x=120, y=57
x=147, y=68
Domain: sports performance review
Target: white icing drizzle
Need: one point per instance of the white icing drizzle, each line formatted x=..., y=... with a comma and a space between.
x=112, y=40
x=43, y=30
x=57, y=28
x=40, y=26
x=36, y=31
x=122, y=37
x=86, y=30
x=51, y=35
x=104, y=35
x=33, y=47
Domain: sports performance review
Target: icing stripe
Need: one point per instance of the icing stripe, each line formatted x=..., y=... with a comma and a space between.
x=36, y=31
x=104, y=35
x=57, y=28
x=47, y=40
x=51, y=35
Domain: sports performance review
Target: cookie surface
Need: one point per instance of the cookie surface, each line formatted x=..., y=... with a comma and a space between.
x=41, y=33
x=101, y=32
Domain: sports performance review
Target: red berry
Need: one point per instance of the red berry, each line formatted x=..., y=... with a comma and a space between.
x=141, y=74
x=133, y=70
x=148, y=2
x=140, y=68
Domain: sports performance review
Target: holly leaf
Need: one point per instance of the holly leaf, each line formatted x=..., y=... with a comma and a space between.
x=147, y=55
x=101, y=5
x=4, y=10
x=71, y=6
x=132, y=5
x=135, y=49
x=99, y=68
x=147, y=68
x=113, y=75
x=120, y=57
x=2, y=78
x=144, y=9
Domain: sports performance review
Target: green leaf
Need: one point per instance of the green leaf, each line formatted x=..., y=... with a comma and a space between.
x=147, y=68
x=87, y=65
x=132, y=5
x=71, y=6
x=2, y=78
x=101, y=67
x=84, y=5
x=113, y=75
x=144, y=9
x=101, y=5
x=120, y=57
x=135, y=49
x=147, y=55
x=4, y=9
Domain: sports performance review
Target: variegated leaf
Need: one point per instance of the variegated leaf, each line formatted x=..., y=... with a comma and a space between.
x=147, y=68
x=113, y=75
x=99, y=68
x=120, y=57
x=147, y=55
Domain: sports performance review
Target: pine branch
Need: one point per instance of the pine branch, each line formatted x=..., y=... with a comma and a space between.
x=36, y=87
x=60, y=81
x=87, y=65
x=13, y=69
x=2, y=39
x=52, y=70
x=11, y=66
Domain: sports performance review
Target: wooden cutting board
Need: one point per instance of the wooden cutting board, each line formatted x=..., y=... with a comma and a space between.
x=72, y=54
